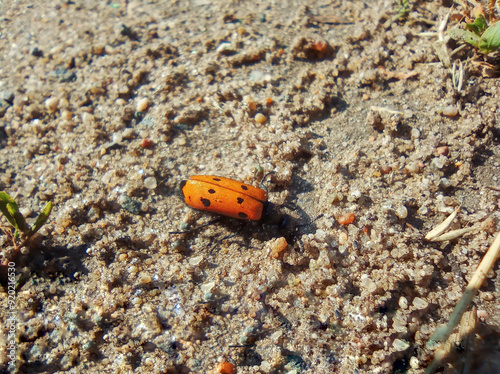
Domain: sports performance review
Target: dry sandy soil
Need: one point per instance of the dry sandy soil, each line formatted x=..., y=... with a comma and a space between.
x=107, y=106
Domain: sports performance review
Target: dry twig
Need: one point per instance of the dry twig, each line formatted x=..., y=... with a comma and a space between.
x=443, y=333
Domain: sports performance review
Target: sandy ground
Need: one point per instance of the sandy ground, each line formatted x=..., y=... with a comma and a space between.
x=105, y=107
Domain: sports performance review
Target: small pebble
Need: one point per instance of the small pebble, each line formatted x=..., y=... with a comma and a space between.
x=368, y=284
x=207, y=287
x=130, y=205
x=147, y=143
x=423, y=210
x=26, y=211
x=356, y=194
x=195, y=261
x=415, y=133
x=346, y=218
x=414, y=363
x=487, y=296
x=401, y=212
x=445, y=183
x=87, y=118
x=400, y=345
x=385, y=169
x=150, y=183
x=438, y=162
x=442, y=151
x=450, y=111
x=51, y=104
x=401, y=39
x=278, y=247
x=343, y=238
x=116, y=137
x=143, y=104
x=482, y=314
x=420, y=303
x=227, y=368
x=412, y=167
x=403, y=302
x=260, y=118
x=67, y=115
x=335, y=197
x=241, y=30
x=145, y=278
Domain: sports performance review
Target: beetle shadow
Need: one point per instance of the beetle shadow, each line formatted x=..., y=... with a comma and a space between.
x=299, y=221
x=291, y=221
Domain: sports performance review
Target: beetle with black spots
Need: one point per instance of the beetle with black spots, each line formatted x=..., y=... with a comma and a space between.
x=231, y=198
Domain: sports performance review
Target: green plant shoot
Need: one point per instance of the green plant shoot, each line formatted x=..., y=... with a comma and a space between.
x=479, y=34
x=10, y=209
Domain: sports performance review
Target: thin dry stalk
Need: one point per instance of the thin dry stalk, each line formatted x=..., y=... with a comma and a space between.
x=443, y=333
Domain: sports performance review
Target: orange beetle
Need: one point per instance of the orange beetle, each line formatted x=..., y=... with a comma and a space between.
x=224, y=196
x=234, y=199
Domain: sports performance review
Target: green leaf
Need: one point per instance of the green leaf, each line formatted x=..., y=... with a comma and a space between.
x=467, y=36
x=11, y=211
x=490, y=40
x=478, y=26
x=42, y=218
x=5, y=199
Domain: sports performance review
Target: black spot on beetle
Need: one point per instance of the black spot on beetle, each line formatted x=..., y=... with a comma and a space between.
x=217, y=179
x=240, y=200
x=211, y=191
x=243, y=187
x=205, y=202
x=242, y=215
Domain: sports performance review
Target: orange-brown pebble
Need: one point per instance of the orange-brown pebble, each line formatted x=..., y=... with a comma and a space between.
x=147, y=143
x=278, y=247
x=143, y=104
x=346, y=218
x=442, y=151
x=385, y=169
x=227, y=368
x=320, y=46
x=260, y=118
x=252, y=105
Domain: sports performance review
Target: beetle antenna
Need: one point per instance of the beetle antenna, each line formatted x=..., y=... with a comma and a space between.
x=310, y=223
x=262, y=185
